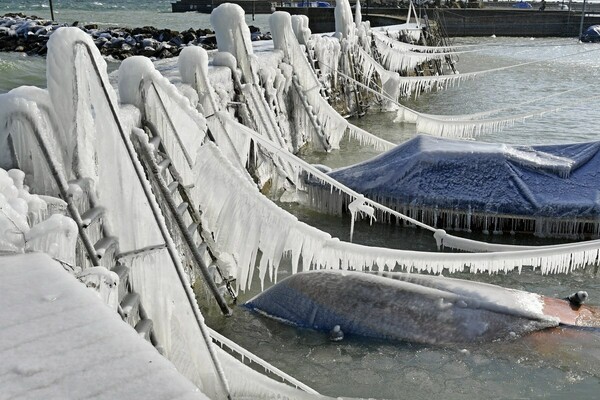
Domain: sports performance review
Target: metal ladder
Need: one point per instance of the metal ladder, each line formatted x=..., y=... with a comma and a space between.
x=179, y=204
x=99, y=247
x=312, y=115
x=361, y=105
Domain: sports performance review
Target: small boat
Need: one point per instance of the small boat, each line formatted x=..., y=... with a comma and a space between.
x=591, y=34
x=548, y=190
x=416, y=308
x=522, y=4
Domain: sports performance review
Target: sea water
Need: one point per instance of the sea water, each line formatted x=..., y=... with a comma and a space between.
x=548, y=364
x=551, y=364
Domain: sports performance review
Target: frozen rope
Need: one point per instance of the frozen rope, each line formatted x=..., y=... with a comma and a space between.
x=239, y=210
x=463, y=126
x=443, y=239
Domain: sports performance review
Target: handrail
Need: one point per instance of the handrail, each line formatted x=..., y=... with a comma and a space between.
x=151, y=83
x=157, y=216
x=63, y=188
x=234, y=347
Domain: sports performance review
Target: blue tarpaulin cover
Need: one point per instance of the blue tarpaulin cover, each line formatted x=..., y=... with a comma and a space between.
x=557, y=181
x=591, y=34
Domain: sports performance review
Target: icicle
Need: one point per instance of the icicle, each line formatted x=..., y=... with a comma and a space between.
x=402, y=46
x=359, y=206
x=322, y=251
x=104, y=282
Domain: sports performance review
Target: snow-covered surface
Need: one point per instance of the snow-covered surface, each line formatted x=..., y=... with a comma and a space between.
x=58, y=340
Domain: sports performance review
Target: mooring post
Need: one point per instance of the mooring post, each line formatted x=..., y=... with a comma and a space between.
x=51, y=10
x=582, y=17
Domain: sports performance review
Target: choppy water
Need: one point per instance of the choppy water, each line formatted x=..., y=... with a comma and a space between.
x=552, y=364
x=126, y=13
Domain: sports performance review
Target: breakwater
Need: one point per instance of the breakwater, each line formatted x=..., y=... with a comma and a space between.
x=500, y=21
x=30, y=34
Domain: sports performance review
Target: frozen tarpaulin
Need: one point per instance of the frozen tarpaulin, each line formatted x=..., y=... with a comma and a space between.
x=551, y=190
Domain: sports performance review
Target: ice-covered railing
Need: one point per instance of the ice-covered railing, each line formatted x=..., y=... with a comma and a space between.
x=86, y=103
x=415, y=85
x=390, y=87
x=403, y=46
x=238, y=213
x=243, y=354
x=461, y=126
x=333, y=124
x=362, y=205
x=403, y=61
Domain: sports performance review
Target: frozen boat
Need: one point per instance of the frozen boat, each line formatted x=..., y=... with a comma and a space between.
x=591, y=34
x=414, y=307
x=548, y=190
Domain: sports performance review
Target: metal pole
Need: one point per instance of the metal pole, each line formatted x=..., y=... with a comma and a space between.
x=581, y=23
x=569, y=18
x=51, y=10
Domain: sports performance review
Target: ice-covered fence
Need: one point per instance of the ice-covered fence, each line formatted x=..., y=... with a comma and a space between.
x=333, y=125
x=238, y=213
x=84, y=100
x=23, y=112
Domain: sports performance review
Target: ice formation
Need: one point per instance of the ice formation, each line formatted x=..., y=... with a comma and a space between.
x=322, y=116
x=101, y=148
x=344, y=23
x=88, y=136
x=404, y=61
x=26, y=223
x=458, y=185
x=275, y=233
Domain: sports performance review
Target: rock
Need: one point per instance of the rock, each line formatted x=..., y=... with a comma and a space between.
x=30, y=34
x=149, y=43
x=148, y=51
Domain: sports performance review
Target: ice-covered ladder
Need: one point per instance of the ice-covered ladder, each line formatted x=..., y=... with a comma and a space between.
x=312, y=115
x=314, y=64
x=169, y=182
x=184, y=212
x=361, y=106
x=100, y=248
x=249, y=93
